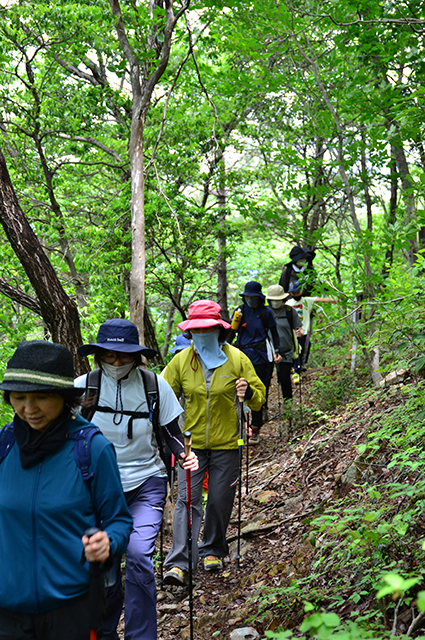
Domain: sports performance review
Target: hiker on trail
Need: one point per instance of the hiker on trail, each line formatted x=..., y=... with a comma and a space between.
x=134, y=408
x=301, y=264
x=182, y=342
x=303, y=305
x=288, y=322
x=210, y=374
x=255, y=324
x=48, y=500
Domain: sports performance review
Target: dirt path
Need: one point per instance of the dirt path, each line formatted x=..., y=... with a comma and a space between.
x=289, y=482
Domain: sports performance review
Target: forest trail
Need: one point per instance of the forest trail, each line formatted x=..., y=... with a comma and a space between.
x=290, y=481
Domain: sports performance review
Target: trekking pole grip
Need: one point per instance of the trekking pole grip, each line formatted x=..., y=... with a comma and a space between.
x=187, y=442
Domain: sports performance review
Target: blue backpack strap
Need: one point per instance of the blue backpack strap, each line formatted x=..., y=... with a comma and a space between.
x=82, y=446
x=7, y=440
x=82, y=449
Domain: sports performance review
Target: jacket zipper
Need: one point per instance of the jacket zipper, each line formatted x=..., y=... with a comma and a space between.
x=208, y=415
x=34, y=536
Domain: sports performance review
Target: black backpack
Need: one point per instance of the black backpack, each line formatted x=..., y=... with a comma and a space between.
x=150, y=383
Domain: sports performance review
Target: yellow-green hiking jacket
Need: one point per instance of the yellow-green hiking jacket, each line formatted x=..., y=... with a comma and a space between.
x=211, y=417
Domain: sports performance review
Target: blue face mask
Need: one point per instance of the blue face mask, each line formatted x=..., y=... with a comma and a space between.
x=252, y=301
x=208, y=348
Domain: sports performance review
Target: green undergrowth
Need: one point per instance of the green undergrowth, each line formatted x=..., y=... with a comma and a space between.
x=368, y=565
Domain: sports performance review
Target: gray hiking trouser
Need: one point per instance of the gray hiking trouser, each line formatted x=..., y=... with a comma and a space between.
x=223, y=470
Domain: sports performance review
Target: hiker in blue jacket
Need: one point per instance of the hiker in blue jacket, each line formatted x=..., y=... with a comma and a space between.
x=120, y=408
x=47, y=504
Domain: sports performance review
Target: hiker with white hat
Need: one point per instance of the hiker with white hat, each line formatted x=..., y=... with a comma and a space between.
x=289, y=328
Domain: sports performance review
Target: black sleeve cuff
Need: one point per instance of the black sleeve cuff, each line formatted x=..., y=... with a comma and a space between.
x=248, y=393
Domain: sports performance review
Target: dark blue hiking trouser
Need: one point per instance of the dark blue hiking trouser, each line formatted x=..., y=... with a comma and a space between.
x=264, y=371
x=146, y=505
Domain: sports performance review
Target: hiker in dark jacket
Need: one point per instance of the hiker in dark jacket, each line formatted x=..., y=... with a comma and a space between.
x=301, y=264
x=287, y=320
x=46, y=505
x=257, y=337
x=143, y=473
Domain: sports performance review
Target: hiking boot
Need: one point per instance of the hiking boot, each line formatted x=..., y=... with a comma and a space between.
x=296, y=378
x=177, y=576
x=212, y=563
x=255, y=438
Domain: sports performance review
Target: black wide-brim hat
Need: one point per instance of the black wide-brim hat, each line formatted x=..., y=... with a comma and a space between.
x=41, y=366
x=117, y=335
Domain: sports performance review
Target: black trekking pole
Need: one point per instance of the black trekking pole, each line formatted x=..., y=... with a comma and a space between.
x=187, y=449
x=240, y=446
x=301, y=400
x=172, y=475
x=96, y=592
x=279, y=406
x=161, y=554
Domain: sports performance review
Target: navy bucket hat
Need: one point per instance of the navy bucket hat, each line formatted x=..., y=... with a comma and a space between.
x=253, y=288
x=117, y=335
x=181, y=343
x=294, y=286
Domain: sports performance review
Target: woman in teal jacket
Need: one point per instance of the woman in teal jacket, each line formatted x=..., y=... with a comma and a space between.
x=46, y=505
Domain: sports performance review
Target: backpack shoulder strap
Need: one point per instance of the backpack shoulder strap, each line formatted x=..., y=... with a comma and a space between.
x=7, y=440
x=150, y=381
x=289, y=315
x=92, y=393
x=262, y=311
x=82, y=449
x=82, y=446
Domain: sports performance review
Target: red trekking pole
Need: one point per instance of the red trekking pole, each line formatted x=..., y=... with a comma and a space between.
x=187, y=449
x=247, y=453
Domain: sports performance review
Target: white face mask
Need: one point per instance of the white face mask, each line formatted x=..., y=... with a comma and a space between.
x=276, y=304
x=117, y=372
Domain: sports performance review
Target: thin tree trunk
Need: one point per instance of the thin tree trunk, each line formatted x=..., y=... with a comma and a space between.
x=169, y=326
x=406, y=183
x=150, y=338
x=222, y=258
x=142, y=86
x=392, y=213
x=58, y=311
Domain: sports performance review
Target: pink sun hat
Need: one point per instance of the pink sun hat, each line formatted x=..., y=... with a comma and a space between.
x=203, y=314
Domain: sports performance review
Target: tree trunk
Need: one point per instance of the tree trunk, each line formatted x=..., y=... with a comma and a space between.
x=150, y=338
x=142, y=86
x=169, y=327
x=407, y=183
x=137, y=276
x=58, y=311
x=222, y=259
